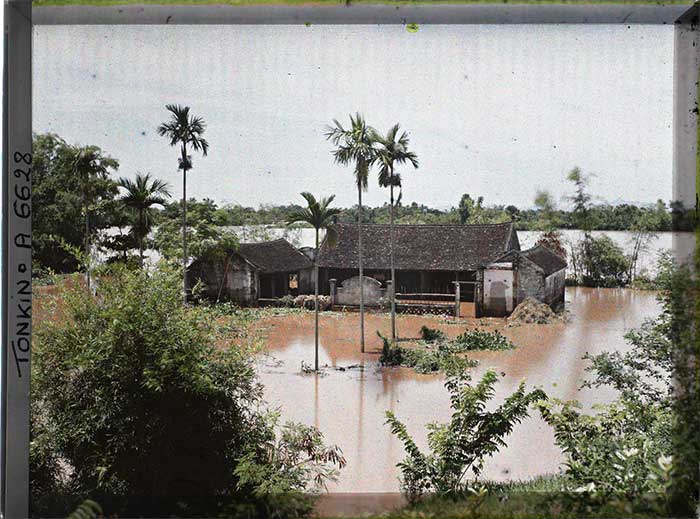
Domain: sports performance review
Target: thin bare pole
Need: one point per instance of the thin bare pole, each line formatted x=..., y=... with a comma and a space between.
x=362, y=287
x=316, y=303
x=391, y=255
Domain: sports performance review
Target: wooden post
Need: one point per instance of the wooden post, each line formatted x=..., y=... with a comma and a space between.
x=479, y=293
x=392, y=297
x=332, y=291
x=457, y=298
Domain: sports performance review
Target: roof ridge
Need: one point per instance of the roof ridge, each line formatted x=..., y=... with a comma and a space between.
x=264, y=242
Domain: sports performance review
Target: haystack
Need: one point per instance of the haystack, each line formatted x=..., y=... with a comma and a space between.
x=531, y=311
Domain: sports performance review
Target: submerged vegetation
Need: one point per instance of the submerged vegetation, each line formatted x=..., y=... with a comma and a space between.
x=469, y=340
x=442, y=358
x=438, y=353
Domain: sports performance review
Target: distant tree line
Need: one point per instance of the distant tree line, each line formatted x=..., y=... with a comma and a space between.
x=603, y=217
x=80, y=203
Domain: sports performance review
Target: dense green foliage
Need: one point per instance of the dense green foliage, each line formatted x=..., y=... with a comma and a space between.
x=544, y=216
x=482, y=340
x=599, y=262
x=205, y=236
x=459, y=448
x=469, y=340
x=135, y=395
x=290, y=460
x=59, y=198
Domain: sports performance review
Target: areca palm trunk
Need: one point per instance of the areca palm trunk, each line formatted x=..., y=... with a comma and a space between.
x=316, y=303
x=362, y=287
x=391, y=256
x=184, y=223
x=87, y=243
x=141, y=230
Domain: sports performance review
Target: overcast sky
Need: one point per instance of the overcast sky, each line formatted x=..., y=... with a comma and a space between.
x=496, y=111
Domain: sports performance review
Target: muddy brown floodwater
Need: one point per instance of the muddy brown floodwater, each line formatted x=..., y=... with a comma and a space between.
x=349, y=406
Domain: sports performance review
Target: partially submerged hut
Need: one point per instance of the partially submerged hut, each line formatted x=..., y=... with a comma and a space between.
x=538, y=273
x=428, y=259
x=480, y=264
x=255, y=271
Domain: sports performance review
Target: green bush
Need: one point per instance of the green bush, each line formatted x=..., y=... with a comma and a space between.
x=613, y=452
x=133, y=399
x=442, y=353
x=460, y=447
x=482, y=340
x=604, y=263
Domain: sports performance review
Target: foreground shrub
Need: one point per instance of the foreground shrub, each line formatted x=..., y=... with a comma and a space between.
x=459, y=448
x=642, y=444
x=609, y=455
x=132, y=399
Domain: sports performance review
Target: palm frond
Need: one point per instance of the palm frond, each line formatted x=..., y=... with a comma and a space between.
x=354, y=144
x=185, y=129
x=318, y=214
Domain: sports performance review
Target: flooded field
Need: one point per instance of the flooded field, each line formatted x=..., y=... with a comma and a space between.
x=347, y=402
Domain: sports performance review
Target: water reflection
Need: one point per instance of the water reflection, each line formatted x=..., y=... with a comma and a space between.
x=348, y=402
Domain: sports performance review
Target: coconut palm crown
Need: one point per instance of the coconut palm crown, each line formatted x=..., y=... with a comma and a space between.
x=140, y=195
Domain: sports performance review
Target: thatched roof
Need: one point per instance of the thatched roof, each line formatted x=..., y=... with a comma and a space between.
x=274, y=256
x=420, y=247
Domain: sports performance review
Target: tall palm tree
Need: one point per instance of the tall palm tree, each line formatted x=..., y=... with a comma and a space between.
x=186, y=131
x=140, y=196
x=91, y=168
x=355, y=145
x=393, y=150
x=319, y=215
